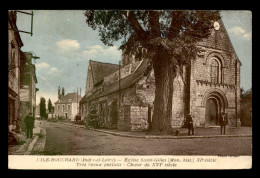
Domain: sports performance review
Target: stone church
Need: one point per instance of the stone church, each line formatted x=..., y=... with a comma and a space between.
x=211, y=85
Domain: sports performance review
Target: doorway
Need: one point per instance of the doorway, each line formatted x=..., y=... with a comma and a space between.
x=11, y=111
x=114, y=113
x=212, y=110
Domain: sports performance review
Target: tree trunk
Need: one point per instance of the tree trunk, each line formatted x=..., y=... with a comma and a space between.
x=164, y=73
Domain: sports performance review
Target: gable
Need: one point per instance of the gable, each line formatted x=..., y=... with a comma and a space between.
x=100, y=70
x=220, y=40
x=70, y=98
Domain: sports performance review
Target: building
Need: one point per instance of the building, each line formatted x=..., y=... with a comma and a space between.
x=68, y=106
x=209, y=86
x=37, y=111
x=95, y=76
x=15, y=61
x=28, y=88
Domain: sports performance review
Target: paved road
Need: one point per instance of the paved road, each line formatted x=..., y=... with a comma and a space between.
x=70, y=140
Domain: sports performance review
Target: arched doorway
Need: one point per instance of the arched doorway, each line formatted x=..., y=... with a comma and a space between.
x=214, y=102
x=212, y=110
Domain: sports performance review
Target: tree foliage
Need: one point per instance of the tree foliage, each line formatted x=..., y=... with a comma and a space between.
x=49, y=105
x=59, y=94
x=246, y=95
x=43, y=113
x=246, y=107
x=63, y=91
x=174, y=32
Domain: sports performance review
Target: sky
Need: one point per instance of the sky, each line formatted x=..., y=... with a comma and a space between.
x=65, y=44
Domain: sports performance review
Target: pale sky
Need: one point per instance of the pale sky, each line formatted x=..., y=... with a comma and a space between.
x=65, y=44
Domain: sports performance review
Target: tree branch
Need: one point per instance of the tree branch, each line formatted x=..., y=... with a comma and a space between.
x=175, y=26
x=135, y=24
x=154, y=23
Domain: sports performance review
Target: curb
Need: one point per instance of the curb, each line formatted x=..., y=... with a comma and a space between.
x=171, y=137
x=161, y=137
x=30, y=147
x=34, y=141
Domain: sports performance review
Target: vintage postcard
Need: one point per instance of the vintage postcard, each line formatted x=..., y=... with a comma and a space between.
x=129, y=89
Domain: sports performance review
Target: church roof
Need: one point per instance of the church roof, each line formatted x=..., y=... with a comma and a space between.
x=101, y=70
x=69, y=98
x=126, y=82
x=84, y=99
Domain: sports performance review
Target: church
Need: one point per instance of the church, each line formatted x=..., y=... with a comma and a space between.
x=122, y=95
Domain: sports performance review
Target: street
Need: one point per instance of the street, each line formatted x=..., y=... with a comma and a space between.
x=64, y=139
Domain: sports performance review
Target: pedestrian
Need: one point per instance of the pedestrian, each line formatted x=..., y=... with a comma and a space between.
x=223, y=122
x=29, y=124
x=189, y=124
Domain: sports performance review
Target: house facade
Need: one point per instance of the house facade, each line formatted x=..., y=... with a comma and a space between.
x=15, y=60
x=68, y=106
x=124, y=99
x=28, y=88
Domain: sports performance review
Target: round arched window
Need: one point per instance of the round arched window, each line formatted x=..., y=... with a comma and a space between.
x=214, y=71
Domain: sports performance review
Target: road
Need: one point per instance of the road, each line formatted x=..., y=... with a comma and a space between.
x=63, y=139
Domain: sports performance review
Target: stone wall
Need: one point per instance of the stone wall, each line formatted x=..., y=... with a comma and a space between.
x=133, y=118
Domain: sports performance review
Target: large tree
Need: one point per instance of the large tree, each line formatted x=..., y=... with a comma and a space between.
x=43, y=113
x=170, y=38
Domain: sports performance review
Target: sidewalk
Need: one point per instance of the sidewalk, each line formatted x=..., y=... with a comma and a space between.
x=200, y=132
x=27, y=146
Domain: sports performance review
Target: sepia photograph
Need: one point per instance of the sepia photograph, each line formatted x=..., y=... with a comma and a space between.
x=129, y=89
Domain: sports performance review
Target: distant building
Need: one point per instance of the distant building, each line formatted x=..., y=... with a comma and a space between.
x=67, y=106
x=15, y=60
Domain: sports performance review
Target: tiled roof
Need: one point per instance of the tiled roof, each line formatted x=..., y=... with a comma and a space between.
x=84, y=99
x=127, y=81
x=69, y=98
x=101, y=70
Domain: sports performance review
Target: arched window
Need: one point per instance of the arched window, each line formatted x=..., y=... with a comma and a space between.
x=215, y=71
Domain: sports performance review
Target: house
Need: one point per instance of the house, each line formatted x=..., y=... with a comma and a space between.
x=124, y=98
x=37, y=111
x=67, y=106
x=28, y=88
x=15, y=60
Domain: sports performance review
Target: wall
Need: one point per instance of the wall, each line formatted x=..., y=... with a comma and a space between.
x=61, y=113
x=13, y=75
x=200, y=84
x=74, y=111
x=133, y=118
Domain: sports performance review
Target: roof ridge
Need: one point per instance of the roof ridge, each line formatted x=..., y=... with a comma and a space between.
x=103, y=62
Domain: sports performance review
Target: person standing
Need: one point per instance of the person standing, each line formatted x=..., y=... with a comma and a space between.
x=29, y=123
x=223, y=122
x=189, y=124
